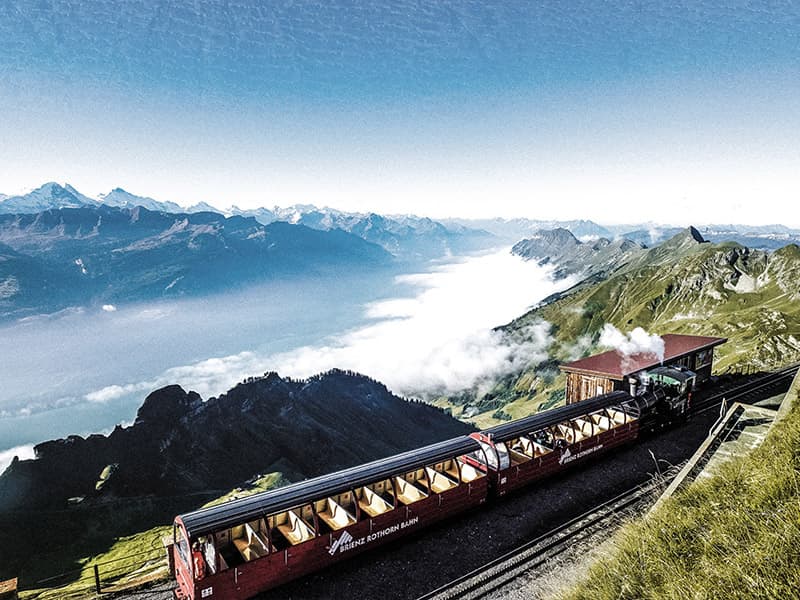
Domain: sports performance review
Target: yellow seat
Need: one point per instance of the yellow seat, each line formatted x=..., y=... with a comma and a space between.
x=439, y=482
x=452, y=470
x=526, y=446
x=469, y=473
x=518, y=457
x=407, y=492
x=295, y=530
x=335, y=515
x=248, y=542
x=372, y=504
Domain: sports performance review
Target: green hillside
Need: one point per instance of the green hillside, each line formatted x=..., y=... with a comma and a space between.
x=136, y=559
x=734, y=535
x=726, y=290
x=685, y=286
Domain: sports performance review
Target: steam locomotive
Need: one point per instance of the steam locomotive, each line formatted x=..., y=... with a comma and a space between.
x=244, y=547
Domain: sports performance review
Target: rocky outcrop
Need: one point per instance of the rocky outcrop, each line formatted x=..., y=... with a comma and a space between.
x=180, y=444
x=570, y=256
x=687, y=285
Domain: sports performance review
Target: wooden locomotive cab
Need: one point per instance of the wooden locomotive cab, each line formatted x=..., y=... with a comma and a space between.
x=241, y=548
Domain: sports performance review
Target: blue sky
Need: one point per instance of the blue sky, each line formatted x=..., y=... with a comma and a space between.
x=614, y=111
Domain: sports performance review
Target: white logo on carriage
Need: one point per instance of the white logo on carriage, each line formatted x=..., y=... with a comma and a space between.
x=567, y=456
x=348, y=542
x=346, y=537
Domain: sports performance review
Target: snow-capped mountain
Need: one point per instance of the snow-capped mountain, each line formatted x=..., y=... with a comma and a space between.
x=49, y=196
x=123, y=199
x=407, y=236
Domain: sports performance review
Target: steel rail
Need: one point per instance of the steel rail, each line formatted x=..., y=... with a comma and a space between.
x=745, y=388
x=554, y=543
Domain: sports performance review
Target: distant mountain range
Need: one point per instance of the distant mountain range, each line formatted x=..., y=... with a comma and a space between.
x=51, y=196
x=94, y=255
x=406, y=237
x=570, y=256
x=762, y=237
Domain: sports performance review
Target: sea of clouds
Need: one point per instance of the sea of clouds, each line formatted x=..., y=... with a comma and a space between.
x=436, y=335
x=440, y=339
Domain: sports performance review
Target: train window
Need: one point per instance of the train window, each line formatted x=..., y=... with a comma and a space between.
x=602, y=421
x=449, y=469
x=564, y=434
x=542, y=442
x=583, y=427
x=468, y=472
x=335, y=512
x=502, y=454
x=438, y=480
x=620, y=417
x=206, y=544
x=251, y=539
x=181, y=543
x=520, y=450
x=491, y=455
x=408, y=492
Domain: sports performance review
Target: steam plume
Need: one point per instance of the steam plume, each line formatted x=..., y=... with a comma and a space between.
x=637, y=341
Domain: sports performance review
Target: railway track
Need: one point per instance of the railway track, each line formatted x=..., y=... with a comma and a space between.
x=485, y=580
x=496, y=574
x=756, y=389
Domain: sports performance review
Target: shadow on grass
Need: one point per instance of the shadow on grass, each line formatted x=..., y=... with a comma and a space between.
x=49, y=548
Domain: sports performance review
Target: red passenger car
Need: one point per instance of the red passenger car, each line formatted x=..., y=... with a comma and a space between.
x=241, y=548
x=522, y=451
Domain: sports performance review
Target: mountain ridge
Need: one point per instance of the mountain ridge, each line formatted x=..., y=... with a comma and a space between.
x=83, y=494
x=571, y=256
x=101, y=254
x=405, y=236
x=180, y=444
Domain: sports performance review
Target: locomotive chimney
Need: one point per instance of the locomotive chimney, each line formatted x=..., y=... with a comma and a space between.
x=633, y=383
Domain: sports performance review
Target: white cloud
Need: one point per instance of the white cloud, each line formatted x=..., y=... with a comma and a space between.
x=440, y=339
x=113, y=392
x=23, y=452
x=637, y=341
x=109, y=308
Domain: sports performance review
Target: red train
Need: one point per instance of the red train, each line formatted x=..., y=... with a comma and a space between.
x=239, y=549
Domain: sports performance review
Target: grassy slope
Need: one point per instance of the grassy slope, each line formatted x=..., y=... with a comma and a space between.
x=141, y=557
x=723, y=290
x=735, y=535
x=682, y=286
